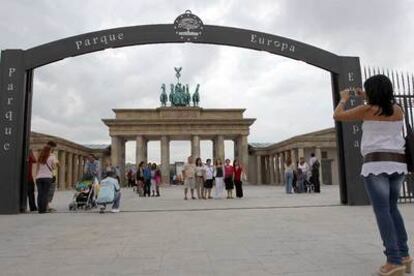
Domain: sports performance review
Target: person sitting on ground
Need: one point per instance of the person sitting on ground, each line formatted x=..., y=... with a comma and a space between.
x=109, y=192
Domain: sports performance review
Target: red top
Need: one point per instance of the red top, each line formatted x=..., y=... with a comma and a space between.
x=32, y=160
x=228, y=171
x=237, y=173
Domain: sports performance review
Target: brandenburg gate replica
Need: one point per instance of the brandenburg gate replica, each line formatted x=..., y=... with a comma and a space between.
x=178, y=118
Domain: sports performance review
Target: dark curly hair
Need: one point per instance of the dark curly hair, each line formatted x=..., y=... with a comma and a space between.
x=380, y=93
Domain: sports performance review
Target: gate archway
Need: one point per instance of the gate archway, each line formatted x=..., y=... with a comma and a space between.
x=16, y=79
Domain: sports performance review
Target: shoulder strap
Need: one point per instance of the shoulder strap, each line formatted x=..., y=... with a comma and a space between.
x=47, y=165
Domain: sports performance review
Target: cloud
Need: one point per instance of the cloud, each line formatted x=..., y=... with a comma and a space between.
x=287, y=97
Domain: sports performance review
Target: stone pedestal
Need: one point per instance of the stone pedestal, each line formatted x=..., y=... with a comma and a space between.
x=165, y=160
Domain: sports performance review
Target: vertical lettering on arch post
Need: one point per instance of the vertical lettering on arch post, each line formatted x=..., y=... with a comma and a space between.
x=12, y=106
x=351, y=132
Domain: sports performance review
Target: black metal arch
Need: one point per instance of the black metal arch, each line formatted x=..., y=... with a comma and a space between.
x=16, y=75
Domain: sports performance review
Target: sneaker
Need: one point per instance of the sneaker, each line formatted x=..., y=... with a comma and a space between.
x=115, y=210
x=102, y=210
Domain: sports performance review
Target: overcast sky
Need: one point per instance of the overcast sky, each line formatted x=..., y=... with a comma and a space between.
x=287, y=97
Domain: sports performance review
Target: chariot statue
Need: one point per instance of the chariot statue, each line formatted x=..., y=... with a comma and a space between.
x=179, y=93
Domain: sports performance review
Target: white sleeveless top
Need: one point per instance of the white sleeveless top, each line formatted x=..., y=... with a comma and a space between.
x=382, y=136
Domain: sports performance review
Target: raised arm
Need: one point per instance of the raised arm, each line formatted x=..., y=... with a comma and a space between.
x=357, y=113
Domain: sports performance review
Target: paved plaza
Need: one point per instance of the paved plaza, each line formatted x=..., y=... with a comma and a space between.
x=265, y=233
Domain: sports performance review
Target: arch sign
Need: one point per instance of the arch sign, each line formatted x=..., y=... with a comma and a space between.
x=16, y=79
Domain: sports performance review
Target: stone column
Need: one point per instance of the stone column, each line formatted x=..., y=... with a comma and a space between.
x=219, y=147
x=272, y=169
x=318, y=154
x=301, y=152
x=195, y=146
x=69, y=183
x=116, y=151
x=62, y=170
x=259, y=170
x=56, y=153
x=243, y=152
x=214, y=150
x=75, y=168
x=277, y=169
x=141, y=152
x=80, y=167
x=236, y=149
x=122, y=160
x=282, y=167
x=294, y=159
x=165, y=160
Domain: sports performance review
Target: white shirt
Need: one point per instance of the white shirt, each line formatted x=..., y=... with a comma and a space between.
x=304, y=167
x=382, y=136
x=46, y=170
x=209, y=172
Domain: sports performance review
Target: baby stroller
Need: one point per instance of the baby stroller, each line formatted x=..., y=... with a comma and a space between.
x=84, y=197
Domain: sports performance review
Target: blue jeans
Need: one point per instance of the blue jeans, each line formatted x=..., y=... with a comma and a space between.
x=43, y=186
x=383, y=191
x=289, y=181
x=117, y=200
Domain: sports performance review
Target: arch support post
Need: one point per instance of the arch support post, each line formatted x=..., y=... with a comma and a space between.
x=348, y=135
x=15, y=104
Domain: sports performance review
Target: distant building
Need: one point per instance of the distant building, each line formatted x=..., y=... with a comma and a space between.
x=266, y=159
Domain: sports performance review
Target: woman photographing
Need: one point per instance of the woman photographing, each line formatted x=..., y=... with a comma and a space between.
x=384, y=167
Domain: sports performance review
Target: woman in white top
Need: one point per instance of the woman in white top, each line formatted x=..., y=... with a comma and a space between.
x=46, y=163
x=384, y=166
